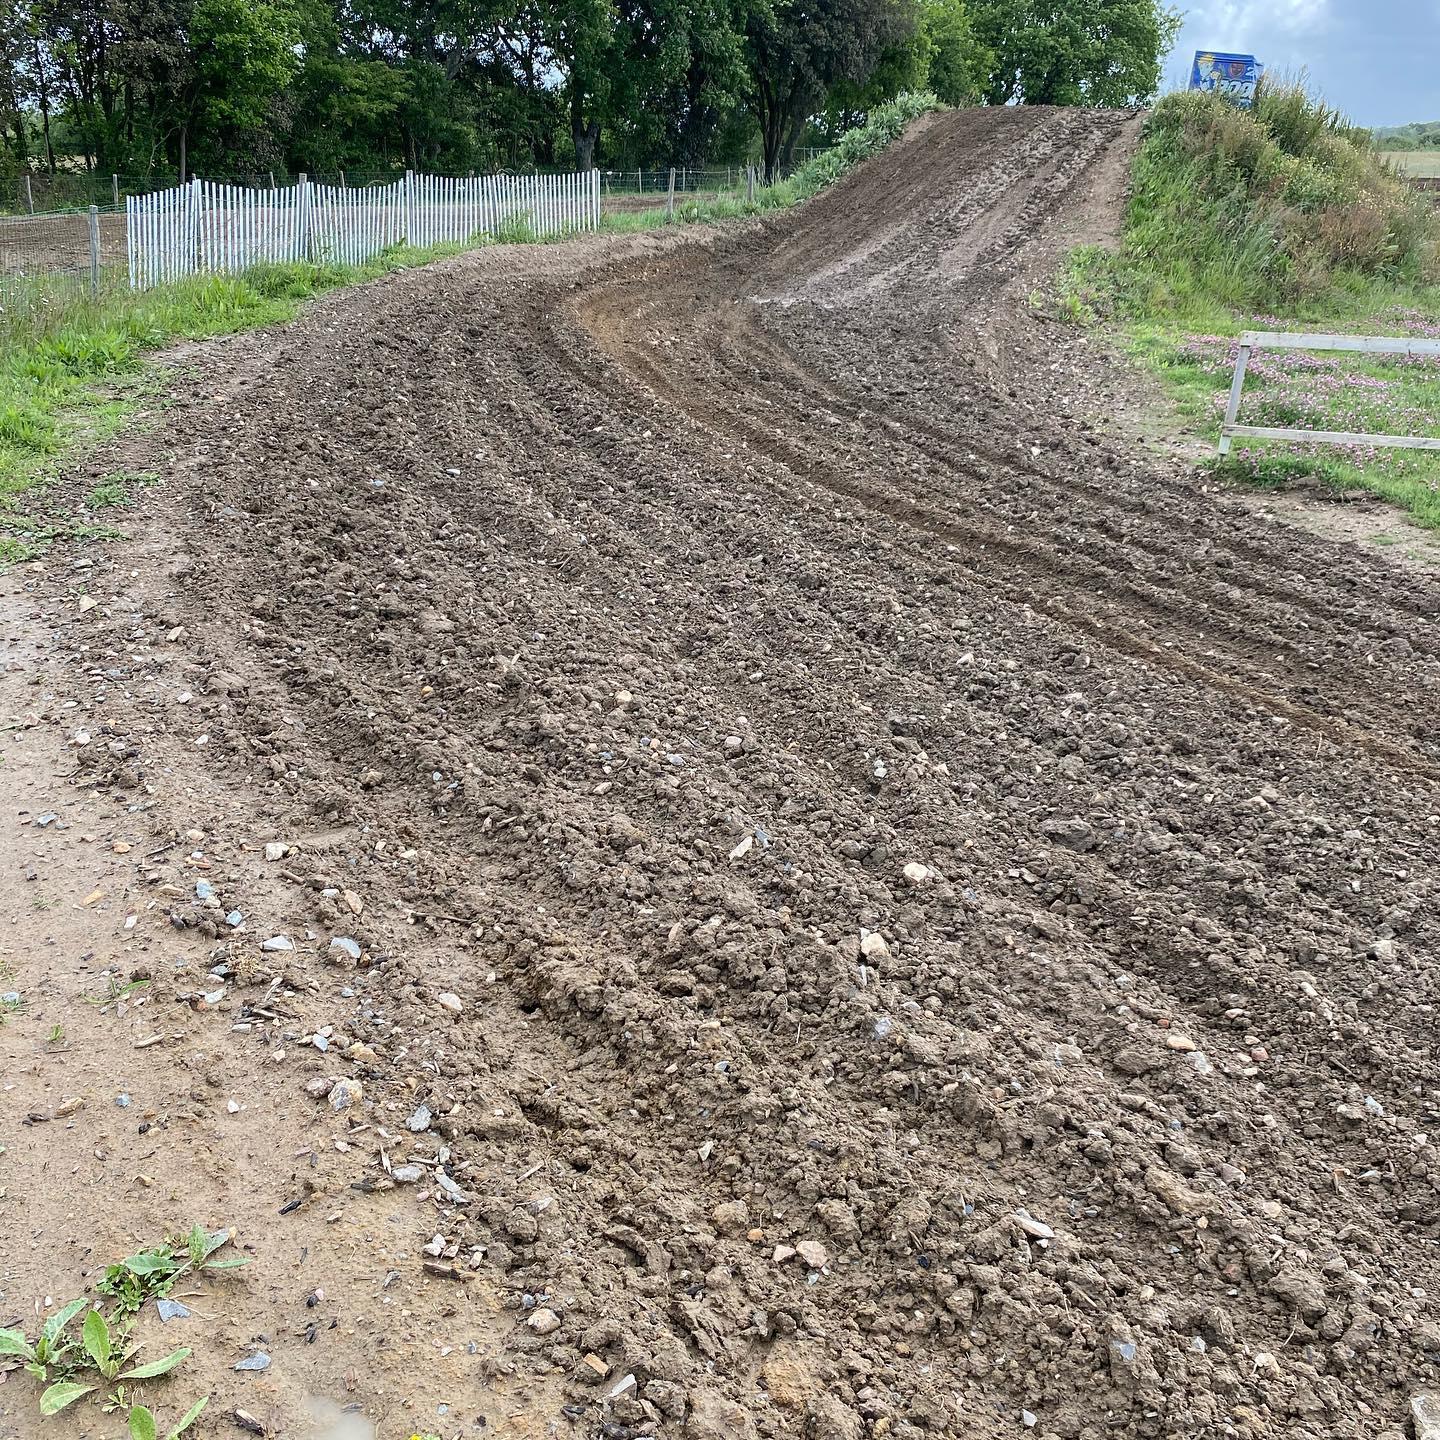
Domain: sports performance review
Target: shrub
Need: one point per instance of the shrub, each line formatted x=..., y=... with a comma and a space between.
x=884, y=124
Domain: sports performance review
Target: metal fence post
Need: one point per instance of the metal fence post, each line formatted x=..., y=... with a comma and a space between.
x=29, y=195
x=749, y=184
x=670, y=199
x=115, y=190
x=410, y=207
x=94, y=251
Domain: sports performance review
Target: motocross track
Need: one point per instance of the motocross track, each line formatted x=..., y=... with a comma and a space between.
x=859, y=805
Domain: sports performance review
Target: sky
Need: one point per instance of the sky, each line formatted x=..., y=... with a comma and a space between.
x=1378, y=60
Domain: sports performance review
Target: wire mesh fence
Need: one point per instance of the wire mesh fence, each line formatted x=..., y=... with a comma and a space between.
x=657, y=182
x=44, y=193
x=49, y=261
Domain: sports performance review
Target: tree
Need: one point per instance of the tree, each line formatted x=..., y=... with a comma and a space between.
x=678, y=66
x=942, y=55
x=581, y=38
x=14, y=90
x=799, y=49
x=960, y=64
x=343, y=107
x=1075, y=52
x=241, y=56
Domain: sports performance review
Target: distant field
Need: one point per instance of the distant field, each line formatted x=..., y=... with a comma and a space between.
x=1416, y=162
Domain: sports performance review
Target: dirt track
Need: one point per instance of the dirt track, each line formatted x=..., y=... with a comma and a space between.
x=855, y=800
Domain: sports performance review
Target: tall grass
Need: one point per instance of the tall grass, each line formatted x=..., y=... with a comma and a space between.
x=1238, y=218
x=1274, y=208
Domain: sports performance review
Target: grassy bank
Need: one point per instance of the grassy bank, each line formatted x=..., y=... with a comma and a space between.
x=73, y=370
x=1284, y=217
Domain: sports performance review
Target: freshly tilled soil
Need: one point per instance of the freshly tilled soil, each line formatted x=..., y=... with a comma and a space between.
x=944, y=903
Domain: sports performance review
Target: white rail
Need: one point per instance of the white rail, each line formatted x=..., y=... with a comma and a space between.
x=1253, y=340
x=205, y=227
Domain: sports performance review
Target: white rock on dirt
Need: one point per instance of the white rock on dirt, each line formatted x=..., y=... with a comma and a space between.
x=448, y=1000
x=543, y=1321
x=874, y=946
x=916, y=873
x=1036, y=1229
x=1425, y=1412
x=813, y=1254
x=346, y=1093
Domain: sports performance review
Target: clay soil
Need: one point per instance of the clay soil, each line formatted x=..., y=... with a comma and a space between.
x=935, y=912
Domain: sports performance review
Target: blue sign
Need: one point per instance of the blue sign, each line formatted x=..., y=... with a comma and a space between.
x=1232, y=75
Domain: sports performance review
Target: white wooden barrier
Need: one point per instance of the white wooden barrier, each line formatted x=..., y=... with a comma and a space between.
x=1253, y=340
x=205, y=227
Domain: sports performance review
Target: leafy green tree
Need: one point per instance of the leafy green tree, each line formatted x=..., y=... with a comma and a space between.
x=1074, y=52
x=960, y=64
x=942, y=55
x=581, y=39
x=679, y=67
x=343, y=107
x=241, y=57
x=799, y=50
x=14, y=90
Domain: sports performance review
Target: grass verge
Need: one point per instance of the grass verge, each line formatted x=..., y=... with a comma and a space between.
x=1283, y=217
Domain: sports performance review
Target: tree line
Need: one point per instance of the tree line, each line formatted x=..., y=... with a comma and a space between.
x=1421, y=135
x=226, y=87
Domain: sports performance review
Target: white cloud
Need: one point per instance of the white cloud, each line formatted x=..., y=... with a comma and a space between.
x=1235, y=21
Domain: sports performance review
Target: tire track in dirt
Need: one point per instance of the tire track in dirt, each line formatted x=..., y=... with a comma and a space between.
x=992, y=553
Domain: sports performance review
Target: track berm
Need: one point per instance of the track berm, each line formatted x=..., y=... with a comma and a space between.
x=864, y=806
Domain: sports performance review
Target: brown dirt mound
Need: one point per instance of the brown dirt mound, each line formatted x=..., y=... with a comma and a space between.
x=940, y=910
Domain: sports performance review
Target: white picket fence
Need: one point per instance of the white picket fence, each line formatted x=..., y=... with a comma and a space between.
x=209, y=228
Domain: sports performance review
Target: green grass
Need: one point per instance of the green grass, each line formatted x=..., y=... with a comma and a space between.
x=1283, y=217
x=1309, y=390
x=118, y=489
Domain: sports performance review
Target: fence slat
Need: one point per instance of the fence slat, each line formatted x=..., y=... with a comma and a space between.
x=210, y=227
